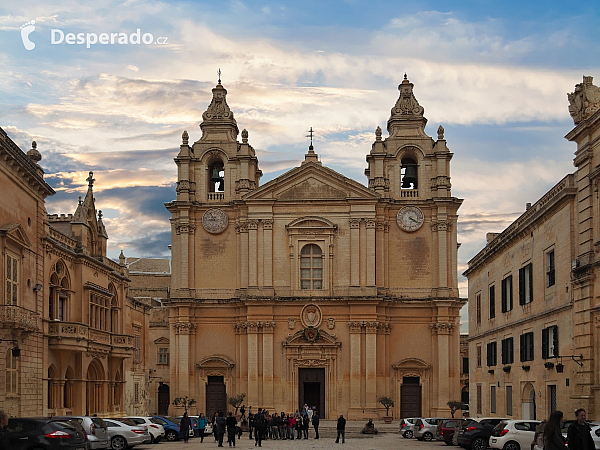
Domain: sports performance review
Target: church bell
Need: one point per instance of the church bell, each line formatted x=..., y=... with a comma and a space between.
x=410, y=177
x=216, y=178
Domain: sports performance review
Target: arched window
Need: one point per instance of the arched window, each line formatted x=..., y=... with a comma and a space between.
x=52, y=387
x=216, y=172
x=311, y=267
x=115, y=310
x=12, y=373
x=409, y=173
x=59, y=292
x=68, y=389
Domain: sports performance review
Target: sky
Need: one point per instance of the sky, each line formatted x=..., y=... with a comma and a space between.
x=494, y=74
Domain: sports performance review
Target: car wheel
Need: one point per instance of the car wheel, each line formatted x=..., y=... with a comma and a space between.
x=479, y=443
x=428, y=437
x=512, y=445
x=118, y=443
x=408, y=434
x=171, y=435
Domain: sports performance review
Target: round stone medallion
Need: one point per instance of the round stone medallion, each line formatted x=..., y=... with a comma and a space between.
x=215, y=220
x=311, y=316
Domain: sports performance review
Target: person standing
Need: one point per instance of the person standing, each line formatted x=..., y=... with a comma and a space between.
x=291, y=426
x=221, y=425
x=243, y=412
x=341, y=429
x=184, y=427
x=553, y=439
x=250, y=422
x=305, y=425
x=578, y=434
x=201, y=424
x=230, y=423
x=315, y=422
x=259, y=423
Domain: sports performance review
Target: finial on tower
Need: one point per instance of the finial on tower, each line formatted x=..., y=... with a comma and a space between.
x=219, y=73
x=440, y=132
x=310, y=135
x=185, y=137
x=90, y=179
x=378, y=133
x=244, y=136
x=405, y=76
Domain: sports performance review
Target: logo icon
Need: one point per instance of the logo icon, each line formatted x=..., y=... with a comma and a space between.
x=26, y=30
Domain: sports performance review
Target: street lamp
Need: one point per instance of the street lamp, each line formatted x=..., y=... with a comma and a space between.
x=16, y=351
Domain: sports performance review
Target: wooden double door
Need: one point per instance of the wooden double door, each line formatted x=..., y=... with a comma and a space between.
x=216, y=395
x=311, y=389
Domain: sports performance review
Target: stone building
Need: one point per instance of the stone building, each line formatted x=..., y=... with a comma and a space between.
x=314, y=288
x=533, y=303
x=63, y=302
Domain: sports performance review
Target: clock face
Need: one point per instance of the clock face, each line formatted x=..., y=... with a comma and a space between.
x=410, y=218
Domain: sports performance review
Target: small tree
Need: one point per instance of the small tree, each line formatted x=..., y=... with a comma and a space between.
x=387, y=403
x=236, y=401
x=455, y=406
x=186, y=402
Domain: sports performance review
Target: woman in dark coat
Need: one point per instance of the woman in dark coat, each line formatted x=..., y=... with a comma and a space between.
x=185, y=426
x=553, y=439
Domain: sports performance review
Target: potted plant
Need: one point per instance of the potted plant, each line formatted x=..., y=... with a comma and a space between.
x=387, y=402
x=526, y=367
x=454, y=406
x=506, y=368
x=560, y=367
x=548, y=364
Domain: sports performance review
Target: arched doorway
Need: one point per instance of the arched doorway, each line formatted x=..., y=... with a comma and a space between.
x=95, y=388
x=53, y=400
x=163, y=399
x=528, y=404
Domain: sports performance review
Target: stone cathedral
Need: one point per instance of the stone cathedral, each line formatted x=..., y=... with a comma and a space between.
x=314, y=288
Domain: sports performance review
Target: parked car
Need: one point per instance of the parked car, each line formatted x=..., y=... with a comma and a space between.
x=171, y=425
x=475, y=432
x=156, y=430
x=45, y=433
x=95, y=428
x=445, y=430
x=513, y=434
x=424, y=429
x=123, y=435
x=194, y=420
x=407, y=427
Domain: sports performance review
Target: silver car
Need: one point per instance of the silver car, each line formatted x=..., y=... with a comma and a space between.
x=425, y=429
x=407, y=425
x=95, y=429
x=123, y=435
x=156, y=430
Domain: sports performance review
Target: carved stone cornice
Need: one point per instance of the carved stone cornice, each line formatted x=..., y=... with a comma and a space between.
x=379, y=182
x=267, y=224
x=382, y=225
x=354, y=223
x=186, y=185
x=371, y=223
x=252, y=225
x=254, y=327
x=441, y=225
x=185, y=228
x=369, y=327
x=241, y=227
x=185, y=327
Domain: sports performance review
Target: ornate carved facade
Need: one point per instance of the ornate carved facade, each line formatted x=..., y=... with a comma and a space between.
x=313, y=276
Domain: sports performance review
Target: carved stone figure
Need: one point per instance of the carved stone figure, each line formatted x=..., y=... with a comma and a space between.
x=584, y=101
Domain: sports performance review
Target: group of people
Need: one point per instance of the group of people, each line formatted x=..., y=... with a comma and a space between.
x=578, y=433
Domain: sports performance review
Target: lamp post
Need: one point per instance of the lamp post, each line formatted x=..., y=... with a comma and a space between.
x=16, y=351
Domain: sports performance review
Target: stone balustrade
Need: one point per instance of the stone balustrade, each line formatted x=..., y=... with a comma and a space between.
x=122, y=341
x=75, y=330
x=17, y=317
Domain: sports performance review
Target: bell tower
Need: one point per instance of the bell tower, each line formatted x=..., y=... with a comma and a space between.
x=216, y=168
x=409, y=164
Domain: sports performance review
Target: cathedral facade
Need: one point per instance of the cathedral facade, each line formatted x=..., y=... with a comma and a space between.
x=314, y=288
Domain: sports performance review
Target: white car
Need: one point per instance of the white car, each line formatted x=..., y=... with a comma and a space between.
x=156, y=430
x=513, y=434
x=406, y=427
x=123, y=435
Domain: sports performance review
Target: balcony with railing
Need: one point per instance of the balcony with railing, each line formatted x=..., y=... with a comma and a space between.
x=19, y=318
x=409, y=193
x=216, y=196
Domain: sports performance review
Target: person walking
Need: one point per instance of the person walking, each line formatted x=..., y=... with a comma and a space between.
x=214, y=426
x=184, y=427
x=578, y=434
x=243, y=412
x=341, y=429
x=251, y=422
x=231, y=423
x=315, y=422
x=259, y=423
x=201, y=424
x=553, y=439
x=221, y=425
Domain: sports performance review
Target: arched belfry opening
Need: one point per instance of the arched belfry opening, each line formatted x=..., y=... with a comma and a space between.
x=409, y=173
x=217, y=177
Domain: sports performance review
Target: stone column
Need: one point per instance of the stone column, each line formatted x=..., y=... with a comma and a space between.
x=371, y=365
x=243, y=228
x=268, y=252
x=267, y=363
x=442, y=329
x=380, y=254
x=252, y=253
x=183, y=331
x=354, y=252
x=442, y=228
x=355, y=369
x=252, y=330
x=371, y=251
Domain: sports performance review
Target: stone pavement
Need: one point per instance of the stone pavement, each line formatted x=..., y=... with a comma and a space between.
x=388, y=438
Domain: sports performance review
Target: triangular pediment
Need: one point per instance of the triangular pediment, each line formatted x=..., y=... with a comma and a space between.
x=311, y=181
x=16, y=233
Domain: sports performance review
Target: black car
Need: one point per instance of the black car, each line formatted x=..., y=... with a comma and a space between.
x=44, y=433
x=475, y=433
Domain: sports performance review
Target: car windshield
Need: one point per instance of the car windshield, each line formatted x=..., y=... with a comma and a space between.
x=173, y=419
x=127, y=421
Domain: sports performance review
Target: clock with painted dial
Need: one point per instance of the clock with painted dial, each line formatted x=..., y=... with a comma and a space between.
x=410, y=218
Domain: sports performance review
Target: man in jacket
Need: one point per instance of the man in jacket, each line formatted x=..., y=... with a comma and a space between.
x=341, y=429
x=221, y=425
x=230, y=423
x=259, y=425
x=315, y=421
x=578, y=434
